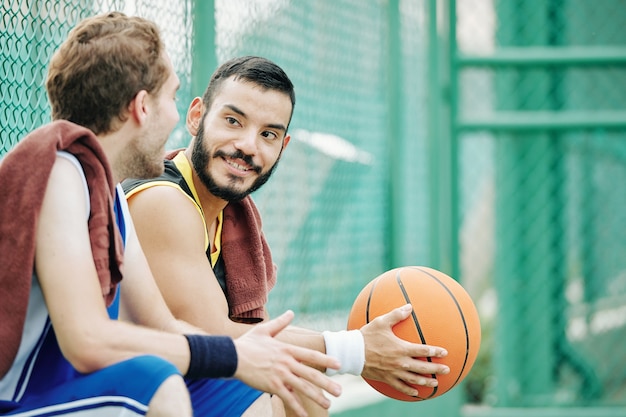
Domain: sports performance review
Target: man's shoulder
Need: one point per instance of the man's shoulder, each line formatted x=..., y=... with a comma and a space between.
x=171, y=174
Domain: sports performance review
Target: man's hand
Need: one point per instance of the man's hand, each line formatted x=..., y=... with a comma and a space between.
x=392, y=360
x=272, y=366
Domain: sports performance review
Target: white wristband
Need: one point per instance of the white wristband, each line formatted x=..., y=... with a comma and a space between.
x=348, y=346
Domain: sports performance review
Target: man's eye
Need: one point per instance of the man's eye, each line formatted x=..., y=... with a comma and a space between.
x=269, y=135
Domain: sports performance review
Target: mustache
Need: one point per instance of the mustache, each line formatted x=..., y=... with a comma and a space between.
x=238, y=155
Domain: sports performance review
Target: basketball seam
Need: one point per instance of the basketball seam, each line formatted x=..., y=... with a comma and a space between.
x=467, y=341
x=369, y=299
x=417, y=326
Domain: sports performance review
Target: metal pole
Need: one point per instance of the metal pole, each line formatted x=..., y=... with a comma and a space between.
x=204, y=59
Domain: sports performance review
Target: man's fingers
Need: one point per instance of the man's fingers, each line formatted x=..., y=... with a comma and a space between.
x=314, y=358
x=415, y=350
x=278, y=324
x=396, y=315
x=417, y=379
x=305, y=381
x=305, y=388
x=291, y=400
x=423, y=367
x=317, y=379
x=401, y=386
x=426, y=351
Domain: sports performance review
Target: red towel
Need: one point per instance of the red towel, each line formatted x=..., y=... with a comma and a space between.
x=249, y=269
x=250, y=272
x=24, y=174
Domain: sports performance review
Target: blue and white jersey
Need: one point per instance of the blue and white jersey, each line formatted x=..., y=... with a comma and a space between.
x=41, y=382
x=39, y=363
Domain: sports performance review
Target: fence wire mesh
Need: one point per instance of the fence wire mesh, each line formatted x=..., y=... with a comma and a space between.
x=543, y=180
x=541, y=162
x=30, y=32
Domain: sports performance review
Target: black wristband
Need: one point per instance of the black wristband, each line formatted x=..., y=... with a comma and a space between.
x=211, y=356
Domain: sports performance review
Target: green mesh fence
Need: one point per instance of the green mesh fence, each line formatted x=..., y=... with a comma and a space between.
x=30, y=32
x=327, y=209
x=523, y=99
x=543, y=189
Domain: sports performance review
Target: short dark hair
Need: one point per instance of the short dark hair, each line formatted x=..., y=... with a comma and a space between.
x=105, y=61
x=254, y=69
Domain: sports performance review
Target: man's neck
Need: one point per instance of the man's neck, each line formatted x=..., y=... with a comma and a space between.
x=211, y=205
x=109, y=143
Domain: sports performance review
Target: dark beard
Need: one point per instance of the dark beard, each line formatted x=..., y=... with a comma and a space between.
x=200, y=160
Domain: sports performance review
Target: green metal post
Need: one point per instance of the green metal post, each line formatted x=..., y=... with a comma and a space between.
x=450, y=226
x=204, y=59
x=397, y=184
x=443, y=140
x=529, y=261
x=443, y=152
x=451, y=264
x=435, y=108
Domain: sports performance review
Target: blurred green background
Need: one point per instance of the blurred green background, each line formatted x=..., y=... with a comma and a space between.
x=484, y=138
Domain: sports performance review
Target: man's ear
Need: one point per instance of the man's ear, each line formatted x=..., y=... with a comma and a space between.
x=286, y=140
x=139, y=107
x=194, y=116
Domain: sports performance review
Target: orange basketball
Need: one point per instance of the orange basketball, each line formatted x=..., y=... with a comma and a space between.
x=443, y=315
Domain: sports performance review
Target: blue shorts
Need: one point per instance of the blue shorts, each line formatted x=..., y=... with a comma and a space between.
x=221, y=397
x=126, y=389
x=123, y=389
x=55, y=389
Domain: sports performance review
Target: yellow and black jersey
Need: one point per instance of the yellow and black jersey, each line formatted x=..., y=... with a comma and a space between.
x=177, y=174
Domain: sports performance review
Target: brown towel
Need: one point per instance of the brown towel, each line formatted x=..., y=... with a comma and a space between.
x=24, y=174
x=249, y=269
x=250, y=272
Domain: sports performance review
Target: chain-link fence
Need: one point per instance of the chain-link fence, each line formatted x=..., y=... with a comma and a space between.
x=503, y=121
x=542, y=134
x=30, y=32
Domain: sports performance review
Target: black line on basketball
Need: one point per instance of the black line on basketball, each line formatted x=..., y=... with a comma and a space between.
x=408, y=301
x=369, y=300
x=417, y=326
x=458, y=306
